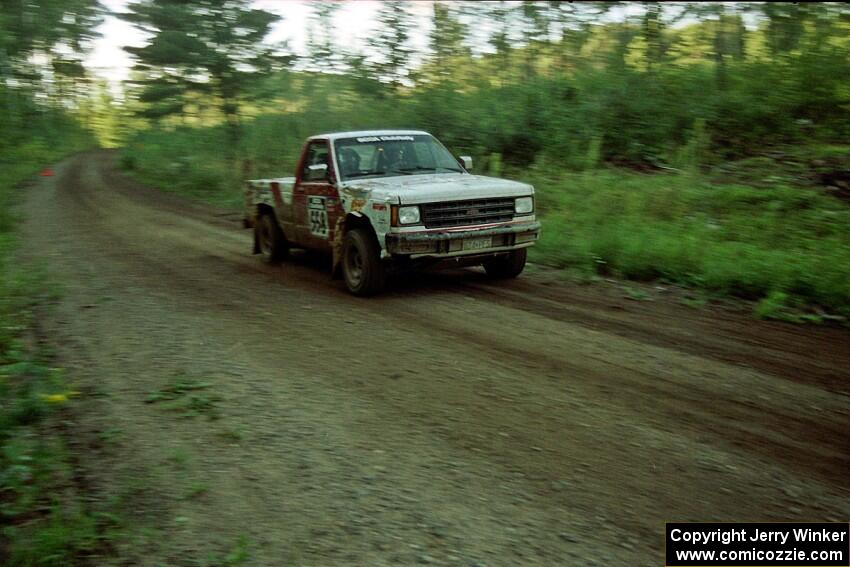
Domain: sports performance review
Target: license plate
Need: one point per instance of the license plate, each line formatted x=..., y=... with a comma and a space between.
x=477, y=243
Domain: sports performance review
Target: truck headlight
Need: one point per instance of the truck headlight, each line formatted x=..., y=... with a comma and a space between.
x=408, y=215
x=524, y=205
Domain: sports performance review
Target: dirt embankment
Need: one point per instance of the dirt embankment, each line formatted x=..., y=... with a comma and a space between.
x=230, y=406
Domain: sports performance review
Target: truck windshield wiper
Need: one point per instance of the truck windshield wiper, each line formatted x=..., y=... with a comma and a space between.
x=362, y=173
x=434, y=169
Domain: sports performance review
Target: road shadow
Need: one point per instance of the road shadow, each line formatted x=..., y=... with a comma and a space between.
x=400, y=281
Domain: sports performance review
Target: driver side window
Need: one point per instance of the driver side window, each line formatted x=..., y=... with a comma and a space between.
x=317, y=154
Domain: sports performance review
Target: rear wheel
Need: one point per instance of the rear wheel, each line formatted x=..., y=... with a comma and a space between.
x=270, y=239
x=361, y=263
x=509, y=265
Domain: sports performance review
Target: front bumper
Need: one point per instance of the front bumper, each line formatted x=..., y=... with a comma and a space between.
x=467, y=242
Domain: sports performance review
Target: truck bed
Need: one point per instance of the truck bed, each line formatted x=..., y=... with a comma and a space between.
x=258, y=191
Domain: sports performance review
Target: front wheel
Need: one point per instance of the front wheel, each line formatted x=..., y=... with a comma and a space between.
x=507, y=266
x=361, y=263
x=270, y=239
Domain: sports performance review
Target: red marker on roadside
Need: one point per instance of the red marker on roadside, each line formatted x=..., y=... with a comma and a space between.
x=47, y=172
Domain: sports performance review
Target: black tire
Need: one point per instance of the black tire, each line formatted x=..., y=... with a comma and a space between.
x=507, y=266
x=270, y=239
x=361, y=263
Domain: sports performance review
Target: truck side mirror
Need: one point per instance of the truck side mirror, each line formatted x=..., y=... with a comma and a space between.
x=317, y=172
x=465, y=161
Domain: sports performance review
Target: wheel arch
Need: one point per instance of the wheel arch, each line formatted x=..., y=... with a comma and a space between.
x=350, y=221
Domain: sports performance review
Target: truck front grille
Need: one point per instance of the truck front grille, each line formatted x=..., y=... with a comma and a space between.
x=464, y=213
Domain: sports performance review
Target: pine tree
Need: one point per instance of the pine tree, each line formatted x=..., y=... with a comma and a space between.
x=447, y=38
x=390, y=43
x=58, y=31
x=207, y=47
x=33, y=32
x=536, y=29
x=323, y=52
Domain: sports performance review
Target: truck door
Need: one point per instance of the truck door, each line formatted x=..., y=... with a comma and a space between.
x=315, y=197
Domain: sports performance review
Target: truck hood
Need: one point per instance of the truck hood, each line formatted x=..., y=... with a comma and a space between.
x=416, y=189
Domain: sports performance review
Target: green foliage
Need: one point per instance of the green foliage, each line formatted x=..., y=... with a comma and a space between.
x=639, y=93
x=202, y=47
x=196, y=490
x=188, y=397
x=235, y=555
x=772, y=306
x=391, y=42
x=60, y=540
x=180, y=162
x=47, y=26
x=448, y=34
x=593, y=153
x=324, y=52
x=40, y=528
x=239, y=553
x=45, y=524
x=731, y=239
x=693, y=154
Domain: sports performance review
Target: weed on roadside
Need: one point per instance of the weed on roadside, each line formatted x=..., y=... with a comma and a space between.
x=636, y=294
x=179, y=457
x=237, y=555
x=196, y=490
x=780, y=306
x=232, y=435
x=188, y=397
x=696, y=301
x=110, y=435
x=46, y=519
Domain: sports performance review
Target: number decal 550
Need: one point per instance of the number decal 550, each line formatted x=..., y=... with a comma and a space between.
x=318, y=217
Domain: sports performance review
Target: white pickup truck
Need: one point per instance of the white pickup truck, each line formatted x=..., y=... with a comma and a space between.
x=390, y=197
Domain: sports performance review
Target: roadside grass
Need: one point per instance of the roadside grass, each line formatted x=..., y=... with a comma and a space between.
x=184, y=163
x=785, y=247
x=45, y=518
x=760, y=228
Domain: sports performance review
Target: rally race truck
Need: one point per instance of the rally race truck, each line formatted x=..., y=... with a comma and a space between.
x=391, y=198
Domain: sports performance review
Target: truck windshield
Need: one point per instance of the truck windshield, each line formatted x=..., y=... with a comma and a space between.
x=391, y=155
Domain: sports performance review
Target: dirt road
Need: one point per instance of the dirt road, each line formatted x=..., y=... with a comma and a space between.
x=447, y=422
